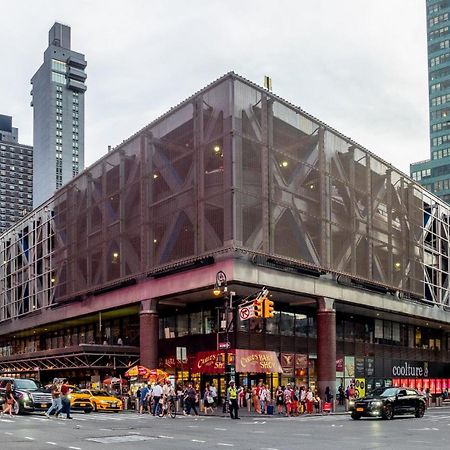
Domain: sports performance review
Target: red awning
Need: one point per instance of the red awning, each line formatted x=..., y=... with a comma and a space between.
x=255, y=361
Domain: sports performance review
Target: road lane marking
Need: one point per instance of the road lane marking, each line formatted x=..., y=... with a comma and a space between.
x=75, y=448
x=225, y=445
x=7, y=420
x=29, y=438
x=165, y=437
x=268, y=448
x=198, y=440
x=220, y=429
x=8, y=433
x=51, y=443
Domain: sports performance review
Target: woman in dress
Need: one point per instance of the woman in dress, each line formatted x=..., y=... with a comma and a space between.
x=10, y=401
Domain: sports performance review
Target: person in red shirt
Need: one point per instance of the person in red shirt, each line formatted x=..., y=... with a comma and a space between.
x=65, y=391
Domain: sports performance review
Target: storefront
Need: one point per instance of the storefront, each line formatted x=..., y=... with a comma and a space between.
x=247, y=367
x=369, y=373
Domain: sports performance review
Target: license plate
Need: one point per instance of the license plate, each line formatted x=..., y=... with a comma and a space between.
x=82, y=404
x=43, y=405
x=359, y=409
x=113, y=405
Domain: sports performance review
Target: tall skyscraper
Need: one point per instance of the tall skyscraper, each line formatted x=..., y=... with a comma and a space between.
x=434, y=173
x=16, y=175
x=58, y=122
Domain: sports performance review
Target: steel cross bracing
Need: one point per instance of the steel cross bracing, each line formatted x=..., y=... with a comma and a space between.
x=61, y=362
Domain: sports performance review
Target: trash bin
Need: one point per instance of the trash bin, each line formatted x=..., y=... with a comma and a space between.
x=125, y=403
x=439, y=401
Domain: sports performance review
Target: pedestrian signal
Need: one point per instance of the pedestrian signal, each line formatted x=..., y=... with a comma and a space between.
x=268, y=308
x=258, y=308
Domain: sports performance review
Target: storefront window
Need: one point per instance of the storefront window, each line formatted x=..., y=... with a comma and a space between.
x=339, y=329
x=287, y=323
x=301, y=325
x=182, y=325
x=210, y=321
x=196, y=323
x=349, y=330
x=272, y=324
x=168, y=327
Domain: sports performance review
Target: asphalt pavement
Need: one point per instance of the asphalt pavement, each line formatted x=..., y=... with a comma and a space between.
x=131, y=431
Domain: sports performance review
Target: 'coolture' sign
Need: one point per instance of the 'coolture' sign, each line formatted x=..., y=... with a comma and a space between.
x=407, y=369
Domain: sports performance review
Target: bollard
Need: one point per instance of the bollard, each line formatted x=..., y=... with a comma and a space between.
x=137, y=404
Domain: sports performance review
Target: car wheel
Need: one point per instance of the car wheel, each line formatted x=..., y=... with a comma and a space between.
x=388, y=412
x=87, y=411
x=420, y=411
x=94, y=407
x=356, y=416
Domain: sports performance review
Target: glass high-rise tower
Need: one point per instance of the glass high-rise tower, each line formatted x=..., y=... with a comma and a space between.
x=58, y=127
x=434, y=173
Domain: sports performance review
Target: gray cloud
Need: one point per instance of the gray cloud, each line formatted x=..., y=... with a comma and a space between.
x=358, y=65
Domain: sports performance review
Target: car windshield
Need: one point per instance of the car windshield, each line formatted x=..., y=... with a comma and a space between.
x=383, y=392
x=100, y=394
x=30, y=385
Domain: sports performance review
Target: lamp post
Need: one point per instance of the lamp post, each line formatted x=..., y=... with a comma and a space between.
x=221, y=288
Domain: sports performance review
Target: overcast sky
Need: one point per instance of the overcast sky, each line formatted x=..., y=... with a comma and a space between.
x=358, y=65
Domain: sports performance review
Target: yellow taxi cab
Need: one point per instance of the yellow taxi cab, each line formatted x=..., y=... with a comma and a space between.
x=102, y=401
x=79, y=401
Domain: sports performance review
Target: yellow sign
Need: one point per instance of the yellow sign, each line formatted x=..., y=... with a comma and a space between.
x=360, y=387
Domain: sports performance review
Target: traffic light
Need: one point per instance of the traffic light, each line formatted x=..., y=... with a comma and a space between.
x=258, y=308
x=267, y=308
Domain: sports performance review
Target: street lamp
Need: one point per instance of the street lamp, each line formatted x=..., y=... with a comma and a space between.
x=221, y=287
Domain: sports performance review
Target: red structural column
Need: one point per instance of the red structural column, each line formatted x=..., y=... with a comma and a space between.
x=326, y=345
x=149, y=333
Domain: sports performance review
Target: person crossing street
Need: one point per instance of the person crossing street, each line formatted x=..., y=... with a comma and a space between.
x=232, y=399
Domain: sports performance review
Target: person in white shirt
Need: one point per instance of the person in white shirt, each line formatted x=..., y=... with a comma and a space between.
x=157, y=393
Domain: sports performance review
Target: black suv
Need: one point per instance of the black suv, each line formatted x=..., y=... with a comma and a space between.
x=388, y=402
x=29, y=393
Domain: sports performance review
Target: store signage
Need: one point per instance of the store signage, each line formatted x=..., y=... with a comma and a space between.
x=259, y=361
x=410, y=369
x=359, y=367
x=224, y=345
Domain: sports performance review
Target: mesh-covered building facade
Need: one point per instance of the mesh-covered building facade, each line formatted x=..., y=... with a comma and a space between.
x=237, y=178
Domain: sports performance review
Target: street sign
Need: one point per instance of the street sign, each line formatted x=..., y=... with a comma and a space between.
x=224, y=345
x=246, y=312
x=181, y=354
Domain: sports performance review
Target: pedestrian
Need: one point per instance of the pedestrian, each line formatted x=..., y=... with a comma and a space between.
x=263, y=394
x=317, y=402
x=190, y=400
x=328, y=396
x=241, y=395
x=157, y=393
x=309, y=401
x=295, y=397
x=65, y=400
x=288, y=399
x=10, y=401
x=208, y=400
x=341, y=394
x=232, y=399
x=279, y=399
x=248, y=398
x=142, y=394
x=56, y=401
x=302, y=407
x=255, y=399
x=213, y=391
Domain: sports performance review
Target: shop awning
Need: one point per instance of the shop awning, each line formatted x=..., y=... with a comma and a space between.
x=254, y=361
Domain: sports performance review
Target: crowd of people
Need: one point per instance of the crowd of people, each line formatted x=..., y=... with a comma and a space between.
x=290, y=400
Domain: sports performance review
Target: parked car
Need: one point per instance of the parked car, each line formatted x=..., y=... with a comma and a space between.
x=102, y=401
x=388, y=402
x=79, y=400
x=29, y=393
